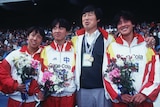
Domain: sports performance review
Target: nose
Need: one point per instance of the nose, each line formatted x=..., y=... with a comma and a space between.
x=35, y=37
x=122, y=24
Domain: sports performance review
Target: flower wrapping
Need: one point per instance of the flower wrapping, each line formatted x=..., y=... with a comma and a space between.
x=55, y=81
x=27, y=68
x=119, y=71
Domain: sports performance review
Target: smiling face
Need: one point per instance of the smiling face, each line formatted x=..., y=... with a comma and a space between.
x=125, y=27
x=59, y=33
x=34, y=40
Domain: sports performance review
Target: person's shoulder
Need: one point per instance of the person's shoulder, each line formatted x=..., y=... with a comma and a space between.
x=80, y=32
x=15, y=51
x=46, y=47
x=73, y=40
x=111, y=36
x=106, y=35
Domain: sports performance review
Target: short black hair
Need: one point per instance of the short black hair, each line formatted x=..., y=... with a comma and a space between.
x=92, y=8
x=127, y=15
x=62, y=23
x=37, y=29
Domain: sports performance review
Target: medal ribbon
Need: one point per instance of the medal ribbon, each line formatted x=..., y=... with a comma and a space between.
x=89, y=49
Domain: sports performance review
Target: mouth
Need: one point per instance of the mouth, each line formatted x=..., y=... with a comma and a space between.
x=124, y=29
x=34, y=43
x=86, y=23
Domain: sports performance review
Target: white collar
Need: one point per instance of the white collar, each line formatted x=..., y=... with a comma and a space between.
x=91, y=37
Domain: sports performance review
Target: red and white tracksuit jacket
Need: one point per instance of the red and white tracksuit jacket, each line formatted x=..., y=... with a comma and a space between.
x=147, y=79
x=55, y=57
x=9, y=79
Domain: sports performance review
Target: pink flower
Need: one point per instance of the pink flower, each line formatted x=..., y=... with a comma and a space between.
x=115, y=73
x=34, y=64
x=119, y=72
x=46, y=76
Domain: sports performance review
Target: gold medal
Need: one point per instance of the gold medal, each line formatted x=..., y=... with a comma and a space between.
x=91, y=59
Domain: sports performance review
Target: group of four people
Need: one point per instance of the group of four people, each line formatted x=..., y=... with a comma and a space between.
x=81, y=64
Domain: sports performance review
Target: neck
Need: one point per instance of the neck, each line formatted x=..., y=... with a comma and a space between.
x=61, y=42
x=128, y=38
x=92, y=30
x=32, y=50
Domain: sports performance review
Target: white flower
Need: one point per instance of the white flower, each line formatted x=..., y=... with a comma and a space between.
x=58, y=89
x=58, y=80
x=53, y=78
x=120, y=62
x=23, y=61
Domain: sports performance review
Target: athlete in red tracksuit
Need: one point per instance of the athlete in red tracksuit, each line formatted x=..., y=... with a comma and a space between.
x=59, y=58
x=11, y=81
x=146, y=79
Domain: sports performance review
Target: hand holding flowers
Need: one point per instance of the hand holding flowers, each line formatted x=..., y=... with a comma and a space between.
x=55, y=81
x=27, y=68
x=119, y=71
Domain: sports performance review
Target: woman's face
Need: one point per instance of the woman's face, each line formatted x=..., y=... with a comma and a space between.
x=125, y=27
x=34, y=39
x=59, y=33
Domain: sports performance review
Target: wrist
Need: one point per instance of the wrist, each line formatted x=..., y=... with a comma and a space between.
x=119, y=98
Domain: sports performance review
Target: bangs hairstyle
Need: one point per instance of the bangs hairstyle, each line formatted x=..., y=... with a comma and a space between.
x=91, y=8
x=62, y=23
x=37, y=29
x=126, y=15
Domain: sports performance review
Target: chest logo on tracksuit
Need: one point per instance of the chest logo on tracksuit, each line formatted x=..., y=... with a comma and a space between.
x=66, y=59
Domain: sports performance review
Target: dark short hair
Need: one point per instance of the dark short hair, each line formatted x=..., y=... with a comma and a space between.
x=127, y=15
x=98, y=12
x=37, y=29
x=91, y=8
x=62, y=23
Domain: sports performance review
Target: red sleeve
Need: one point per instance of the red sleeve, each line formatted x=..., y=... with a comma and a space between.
x=7, y=83
x=33, y=88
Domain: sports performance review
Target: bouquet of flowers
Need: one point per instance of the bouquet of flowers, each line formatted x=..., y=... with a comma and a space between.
x=27, y=68
x=55, y=81
x=119, y=71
